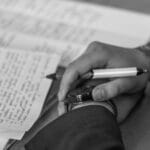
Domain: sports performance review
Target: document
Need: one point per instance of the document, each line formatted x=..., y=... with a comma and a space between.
x=23, y=86
x=23, y=89
x=67, y=51
x=87, y=22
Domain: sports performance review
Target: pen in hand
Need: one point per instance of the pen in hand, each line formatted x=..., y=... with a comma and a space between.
x=106, y=73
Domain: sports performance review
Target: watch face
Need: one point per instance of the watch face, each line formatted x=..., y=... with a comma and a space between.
x=80, y=95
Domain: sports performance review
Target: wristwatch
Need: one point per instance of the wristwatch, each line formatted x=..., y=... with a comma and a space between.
x=82, y=97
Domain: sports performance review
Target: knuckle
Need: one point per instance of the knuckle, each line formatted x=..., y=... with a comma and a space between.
x=98, y=48
x=93, y=46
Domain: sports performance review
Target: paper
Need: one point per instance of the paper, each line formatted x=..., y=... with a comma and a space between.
x=37, y=33
x=68, y=51
x=71, y=26
x=23, y=87
x=109, y=25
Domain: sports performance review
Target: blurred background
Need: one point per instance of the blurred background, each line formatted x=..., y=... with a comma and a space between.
x=136, y=5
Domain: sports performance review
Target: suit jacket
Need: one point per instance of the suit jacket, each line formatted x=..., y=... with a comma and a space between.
x=86, y=128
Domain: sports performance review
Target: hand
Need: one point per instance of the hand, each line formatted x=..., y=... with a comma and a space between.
x=124, y=91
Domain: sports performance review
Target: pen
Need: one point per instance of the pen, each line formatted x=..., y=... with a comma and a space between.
x=106, y=73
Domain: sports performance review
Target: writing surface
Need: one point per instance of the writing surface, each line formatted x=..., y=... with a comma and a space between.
x=23, y=86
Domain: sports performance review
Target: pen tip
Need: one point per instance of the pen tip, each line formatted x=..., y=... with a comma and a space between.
x=51, y=76
x=141, y=71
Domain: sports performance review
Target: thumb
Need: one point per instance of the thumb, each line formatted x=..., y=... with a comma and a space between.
x=112, y=89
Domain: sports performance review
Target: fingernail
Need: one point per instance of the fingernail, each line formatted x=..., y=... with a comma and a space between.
x=99, y=94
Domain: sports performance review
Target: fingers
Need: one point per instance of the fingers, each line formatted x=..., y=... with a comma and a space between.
x=113, y=88
x=83, y=64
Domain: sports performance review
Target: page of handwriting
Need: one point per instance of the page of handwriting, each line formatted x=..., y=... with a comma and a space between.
x=23, y=86
x=53, y=30
x=116, y=26
x=40, y=34
x=68, y=51
x=37, y=33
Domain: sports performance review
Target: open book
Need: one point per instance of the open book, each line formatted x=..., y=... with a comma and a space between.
x=36, y=36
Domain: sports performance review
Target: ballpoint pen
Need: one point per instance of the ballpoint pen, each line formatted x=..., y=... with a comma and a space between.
x=106, y=73
x=85, y=94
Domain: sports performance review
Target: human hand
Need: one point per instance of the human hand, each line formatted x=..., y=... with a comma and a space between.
x=124, y=91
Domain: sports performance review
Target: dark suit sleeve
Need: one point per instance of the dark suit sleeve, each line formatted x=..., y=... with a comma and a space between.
x=86, y=128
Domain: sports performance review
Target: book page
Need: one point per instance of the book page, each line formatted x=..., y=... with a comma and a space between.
x=23, y=86
x=54, y=30
x=72, y=40
x=67, y=51
x=37, y=33
x=114, y=26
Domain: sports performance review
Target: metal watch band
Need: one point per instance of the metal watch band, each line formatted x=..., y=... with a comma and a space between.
x=111, y=104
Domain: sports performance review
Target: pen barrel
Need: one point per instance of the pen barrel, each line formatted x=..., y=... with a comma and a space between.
x=115, y=72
